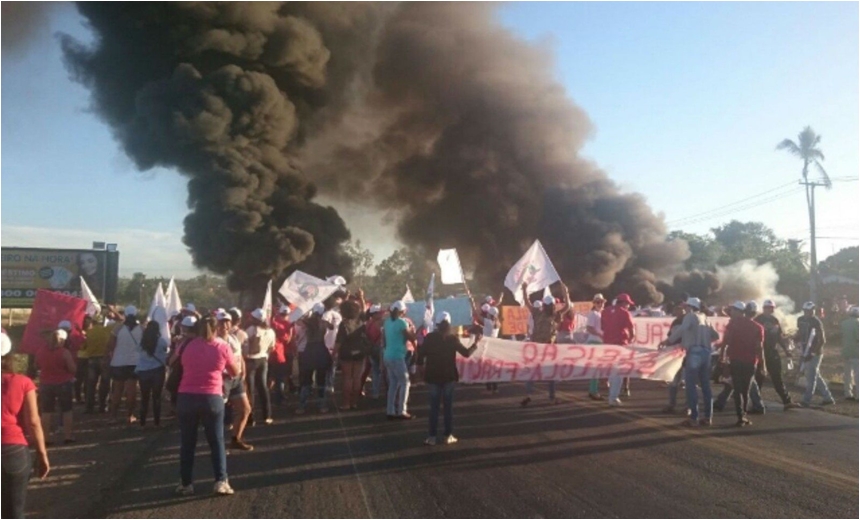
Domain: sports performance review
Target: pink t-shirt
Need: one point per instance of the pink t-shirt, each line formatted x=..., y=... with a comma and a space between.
x=202, y=365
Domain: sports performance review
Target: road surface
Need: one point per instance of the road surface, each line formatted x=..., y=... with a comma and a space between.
x=576, y=459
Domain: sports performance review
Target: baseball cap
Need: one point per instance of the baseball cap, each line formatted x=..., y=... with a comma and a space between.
x=235, y=310
x=65, y=325
x=537, y=304
x=258, y=314
x=489, y=299
x=190, y=307
x=284, y=309
x=442, y=316
x=624, y=298
x=398, y=306
x=223, y=316
x=337, y=280
x=598, y=298
x=63, y=335
x=318, y=309
x=693, y=302
x=189, y=321
x=5, y=344
x=548, y=300
x=808, y=306
x=739, y=305
x=752, y=306
x=768, y=303
x=131, y=310
x=374, y=308
x=485, y=307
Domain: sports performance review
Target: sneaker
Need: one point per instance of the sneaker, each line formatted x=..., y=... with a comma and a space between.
x=615, y=402
x=450, y=439
x=743, y=421
x=239, y=444
x=222, y=487
x=406, y=417
x=430, y=441
x=526, y=401
x=270, y=420
x=828, y=402
x=184, y=490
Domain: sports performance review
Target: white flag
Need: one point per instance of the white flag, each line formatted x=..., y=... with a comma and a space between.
x=547, y=292
x=304, y=291
x=429, y=307
x=158, y=300
x=449, y=264
x=174, y=304
x=267, y=303
x=534, y=269
x=159, y=315
x=93, y=306
x=408, y=298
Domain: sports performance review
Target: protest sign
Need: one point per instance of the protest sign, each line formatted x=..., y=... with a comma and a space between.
x=49, y=309
x=449, y=265
x=515, y=320
x=304, y=291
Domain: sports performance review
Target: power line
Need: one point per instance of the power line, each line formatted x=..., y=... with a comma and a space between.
x=727, y=206
x=731, y=210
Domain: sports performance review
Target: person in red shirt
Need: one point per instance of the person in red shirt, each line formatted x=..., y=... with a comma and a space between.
x=617, y=324
x=280, y=366
x=373, y=329
x=744, y=339
x=76, y=341
x=20, y=410
x=56, y=378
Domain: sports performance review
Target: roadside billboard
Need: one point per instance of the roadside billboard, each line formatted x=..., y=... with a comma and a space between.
x=23, y=271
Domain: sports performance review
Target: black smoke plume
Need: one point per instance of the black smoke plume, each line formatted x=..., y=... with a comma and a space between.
x=431, y=111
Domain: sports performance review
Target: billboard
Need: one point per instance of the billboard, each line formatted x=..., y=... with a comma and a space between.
x=23, y=271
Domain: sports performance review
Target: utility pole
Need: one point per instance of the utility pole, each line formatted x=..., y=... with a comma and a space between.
x=813, y=256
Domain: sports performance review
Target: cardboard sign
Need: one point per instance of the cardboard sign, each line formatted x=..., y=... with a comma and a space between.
x=515, y=320
x=49, y=309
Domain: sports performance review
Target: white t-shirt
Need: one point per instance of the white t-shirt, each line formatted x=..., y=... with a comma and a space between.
x=236, y=348
x=593, y=320
x=491, y=328
x=267, y=342
x=333, y=317
x=127, y=351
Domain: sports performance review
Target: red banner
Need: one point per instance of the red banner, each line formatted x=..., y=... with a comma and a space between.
x=49, y=309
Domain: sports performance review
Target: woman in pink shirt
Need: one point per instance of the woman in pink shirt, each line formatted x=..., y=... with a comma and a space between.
x=200, y=400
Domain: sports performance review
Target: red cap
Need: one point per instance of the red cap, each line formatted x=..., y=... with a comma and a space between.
x=624, y=298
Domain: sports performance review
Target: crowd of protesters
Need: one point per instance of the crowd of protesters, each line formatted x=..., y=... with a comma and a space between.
x=226, y=370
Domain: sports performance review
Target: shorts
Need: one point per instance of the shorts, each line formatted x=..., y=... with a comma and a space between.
x=123, y=373
x=49, y=395
x=234, y=387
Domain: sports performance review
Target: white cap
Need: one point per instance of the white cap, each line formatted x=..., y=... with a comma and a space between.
x=489, y=299
x=131, y=310
x=808, y=306
x=190, y=307
x=284, y=309
x=693, y=302
x=5, y=344
x=752, y=306
x=374, y=308
x=65, y=325
x=223, y=315
x=537, y=304
x=189, y=321
x=337, y=280
x=63, y=335
x=598, y=297
x=442, y=316
x=258, y=314
x=493, y=311
x=485, y=307
x=318, y=309
x=548, y=300
x=398, y=306
x=739, y=305
x=220, y=309
x=237, y=311
x=768, y=303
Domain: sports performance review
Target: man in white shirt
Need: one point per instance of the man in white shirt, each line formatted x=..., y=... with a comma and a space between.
x=595, y=336
x=261, y=342
x=332, y=317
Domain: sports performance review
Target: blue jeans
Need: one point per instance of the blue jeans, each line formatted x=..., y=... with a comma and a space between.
x=17, y=465
x=530, y=388
x=278, y=372
x=314, y=364
x=376, y=375
x=673, y=387
x=192, y=410
x=445, y=394
x=814, y=380
x=697, y=371
x=398, y=386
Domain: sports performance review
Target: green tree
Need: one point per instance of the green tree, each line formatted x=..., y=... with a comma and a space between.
x=704, y=250
x=362, y=262
x=843, y=263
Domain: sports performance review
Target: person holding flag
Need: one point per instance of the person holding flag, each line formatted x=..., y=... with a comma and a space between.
x=546, y=319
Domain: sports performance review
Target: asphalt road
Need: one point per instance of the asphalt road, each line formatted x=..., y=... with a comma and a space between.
x=576, y=459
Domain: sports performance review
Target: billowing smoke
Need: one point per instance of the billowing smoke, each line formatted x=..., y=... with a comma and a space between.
x=432, y=112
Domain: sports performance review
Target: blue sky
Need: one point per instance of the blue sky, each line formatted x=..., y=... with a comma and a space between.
x=688, y=101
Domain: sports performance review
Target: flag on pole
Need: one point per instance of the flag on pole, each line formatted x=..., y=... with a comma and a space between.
x=158, y=300
x=429, y=307
x=449, y=264
x=304, y=291
x=174, y=304
x=93, y=306
x=535, y=269
x=267, y=303
x=408, y=298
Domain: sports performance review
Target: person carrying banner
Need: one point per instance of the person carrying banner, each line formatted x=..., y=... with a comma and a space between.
x=595, y=337
x=56, y=378
x=261, y=342
x=124, y=351
x=618, y=329
x=438, y=358
x=810, y=334
x=546, y=320
x=696, y=336
x=745, y=349
x=773, y=336
x=396, y=332
x=679, y=311
x=850, y=348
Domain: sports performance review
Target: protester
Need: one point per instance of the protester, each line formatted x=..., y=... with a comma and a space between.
x=745, y=350
x=280, y=370
x=261, y=342
x=679, y=311
x=595, y=337
x=234, y=386
x=617, y=324
x=546, y=319
x=374, y=367
x=98, y=366
x=187, y=332
x=395, y=333
x=20, y=413
x=773, y=336
x=491, y=328
x=438, y=356
x=151, y=371
x=56, y=379
x=696, y=336
x=352, y=348
x=203, y=361
x=736, y=314
x=76, y=344
x=314, y=358
x=850, y=348
x=810, y=335
x=124, y=351
x=332, y=318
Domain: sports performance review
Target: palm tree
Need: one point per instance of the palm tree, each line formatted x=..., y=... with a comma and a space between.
x=806, y=148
